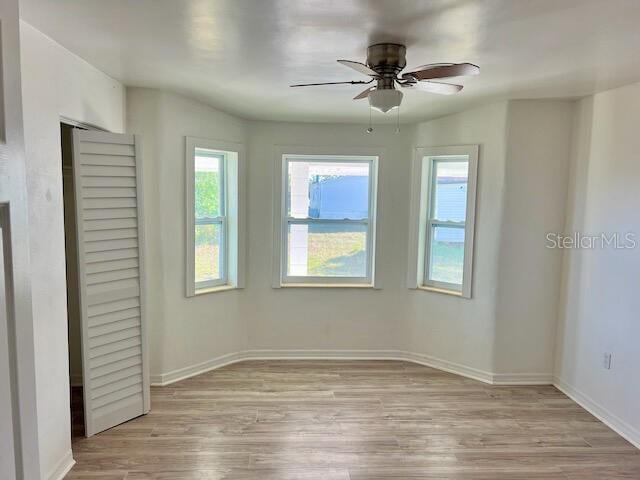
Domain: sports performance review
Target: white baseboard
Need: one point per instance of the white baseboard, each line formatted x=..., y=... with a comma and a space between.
x=601, y=413
x=447, y=366
x=62, y=468
x=433, y=362
x=163, y=379
x=522, y=379
x=322, y=354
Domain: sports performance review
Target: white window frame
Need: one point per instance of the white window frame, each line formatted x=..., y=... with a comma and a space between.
x=231, y=218
x=281, y=221
x=422, y=219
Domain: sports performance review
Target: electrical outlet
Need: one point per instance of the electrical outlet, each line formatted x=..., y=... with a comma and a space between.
x=606, y=361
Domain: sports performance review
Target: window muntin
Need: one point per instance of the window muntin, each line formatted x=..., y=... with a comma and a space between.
x=328, y=228
x=210, y=253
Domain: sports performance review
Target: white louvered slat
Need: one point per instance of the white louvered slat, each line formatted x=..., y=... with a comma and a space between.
x=119, y=365
x=101, y=330
x=108, y=160
x=110, y=378
x=108, y=209
x=112, y=244
x=110, y=224
x=105, y=399
x=108, y=192
x=117, y=380
x=112, y=265
x=107, y=293
x=107, y=171
x=106, y=149
x=102, y=340
x=106, y=256
x=114, y=357
x=111, y=234
x=130, y=382
x=93, y=278
x=109, y=213
x=102, y=309
x=113, y=316
x=107, y=202
x=107, y=182
x=101, y=350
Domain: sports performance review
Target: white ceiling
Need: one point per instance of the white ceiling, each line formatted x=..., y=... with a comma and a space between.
x=241, y=55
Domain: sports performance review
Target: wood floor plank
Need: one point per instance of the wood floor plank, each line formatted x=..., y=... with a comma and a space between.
x=353, y=420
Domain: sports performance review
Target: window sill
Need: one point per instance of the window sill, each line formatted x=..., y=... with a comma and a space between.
x=426, y=288
x=328, y=285
x=219, y=288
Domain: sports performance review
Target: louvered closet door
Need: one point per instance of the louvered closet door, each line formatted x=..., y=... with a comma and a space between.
x=107, y=175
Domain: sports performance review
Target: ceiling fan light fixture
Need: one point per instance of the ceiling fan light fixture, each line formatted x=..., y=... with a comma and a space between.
x=385, y=99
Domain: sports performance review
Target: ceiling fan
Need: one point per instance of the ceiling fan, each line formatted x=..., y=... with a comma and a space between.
x=385, y=61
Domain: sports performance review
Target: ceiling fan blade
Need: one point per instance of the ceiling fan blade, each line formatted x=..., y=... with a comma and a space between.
x=359, y=67
x=364, y=94
x=442, y=70
x=352, y=82
x=434, y=87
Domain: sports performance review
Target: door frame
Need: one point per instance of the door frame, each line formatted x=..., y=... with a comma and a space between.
x=14, y=198
x=84, y=126
x=7, y=327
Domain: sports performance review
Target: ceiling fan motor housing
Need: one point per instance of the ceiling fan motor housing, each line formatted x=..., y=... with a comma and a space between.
x=387, y=59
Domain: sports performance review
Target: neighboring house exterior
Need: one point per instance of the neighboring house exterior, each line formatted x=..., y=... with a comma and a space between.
x=451, y=204
x=339, y=197
x=346, y=197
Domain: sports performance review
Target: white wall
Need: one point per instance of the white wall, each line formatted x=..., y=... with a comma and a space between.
x=183, y=331
x=189, y=331
x=599, y=311
x=328, y=318
x=535, y=190
x=519, y=142
x=55, y=83
x=507, y=328
x=453, y=329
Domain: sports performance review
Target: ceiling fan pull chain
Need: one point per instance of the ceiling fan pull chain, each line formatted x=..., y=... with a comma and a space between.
x=370, y=129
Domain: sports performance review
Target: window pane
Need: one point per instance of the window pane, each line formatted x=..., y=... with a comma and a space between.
x=208, y=181
x=327, y=250
x=450, y=195
x=208, y=253
x=446, y=259
x=328, y=190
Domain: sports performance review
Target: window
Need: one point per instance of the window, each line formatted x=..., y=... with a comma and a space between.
x=327, y=221
x=443, y=211
x=213, y=237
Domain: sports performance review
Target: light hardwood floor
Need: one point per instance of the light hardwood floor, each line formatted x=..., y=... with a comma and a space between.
x=355, y=420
